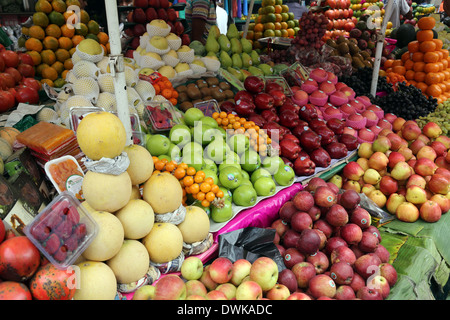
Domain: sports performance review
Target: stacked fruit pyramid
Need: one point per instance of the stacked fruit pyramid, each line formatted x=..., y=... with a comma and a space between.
x=425, y=64
x=273, y=20
x=55, y=33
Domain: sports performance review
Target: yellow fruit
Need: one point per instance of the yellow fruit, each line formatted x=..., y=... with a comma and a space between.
x=36, y=32
x=164, y=193
x=195, y=226
x=49, y=73
x=101, y=134
x=43, y=6
x=95, y=281
x=59, y=6
x=141, y=163
x=164, y=243
x=40, y=19
x=90, y=46
x=48, y=56
x=137, y=218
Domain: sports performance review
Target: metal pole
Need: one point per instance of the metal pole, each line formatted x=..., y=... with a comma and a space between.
x=379, y=48
x=116, y=64
x=247, y=22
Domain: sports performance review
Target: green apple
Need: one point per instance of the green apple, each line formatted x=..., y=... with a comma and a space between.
x=230, y=177
x=209, y=121
x=148, y=135
x=210, y=165
x=232, y=157
x=265, y=186
x=192, y=147
x=193, y=115
x=158, y=144
x=284, y=176
x=245, y=196
x=180, y=135
x=272, y=164
x=239, y=143
x=164, y=156
x=194, y=160
x=245, y=174
x=204, y=134
x=246, y=182
x=258, y=173
x=216, y=150
x=212, y=174
x=222, y=214
x=250, y=160
x=227, y=194
x=174, y=152
x=224, y=165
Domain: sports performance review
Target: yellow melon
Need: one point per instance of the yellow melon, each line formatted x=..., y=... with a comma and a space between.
x=137, y=218
x=106, y=192
x=195, y=226
x=101, y=134
x=131, y=263
x=135, y=193
x=163, y=191
x=95, y=281
x=6, y=149
x=164, y=243
x=109, y=238
x=9, y=134
x=141, y=163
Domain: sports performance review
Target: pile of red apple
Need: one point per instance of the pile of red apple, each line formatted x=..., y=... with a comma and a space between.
x=145, y=12
x=297, y=129
x=329, y=247
x=17, y=82
x=406, y=170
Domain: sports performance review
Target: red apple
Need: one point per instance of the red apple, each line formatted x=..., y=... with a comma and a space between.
x=322, y=285
x=430, y=211
x=304, y=272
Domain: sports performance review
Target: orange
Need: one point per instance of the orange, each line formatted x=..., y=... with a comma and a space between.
x=431, y=67
x=417, y=56
x=431, y=78
x=77, y=39
x=405, y=56
x=43, y=6
x=438, y=43
x=422, y=86
x=424, y=35
x=413, y=46
x=41, y=67
x=50, y=43
x=68, y=64
x=291, y=32
x=278, y=17
x=426, y=23
x=397, y=62
x=58, y=66
x=284, y=25
x=59, y=6
x=33, y=44
x=62, y=55
x=434, y=90
x=67, y=32
x=259, y=27
x=431, y=56
x=444, y=53
x=409, y=64
x=64, y=74
x=71, y=51
x=446, y=74
x=419, y=66
x=48, y=57
x=84, y=16
x=277, y=26
x=65, y=43
x=420, y=76
x=427, y=46
x=284, y=33
x=48, y=81
x=36, y=56
x=409, y=75
x=36, y=32
x=399, y=70
x=53, y=30
x=278, y=8
x=388, y=63
x=40, y=19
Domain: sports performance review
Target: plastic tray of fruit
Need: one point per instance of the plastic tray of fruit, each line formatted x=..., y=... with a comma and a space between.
x=160, y=116
x=208, y=107
x=62, y=231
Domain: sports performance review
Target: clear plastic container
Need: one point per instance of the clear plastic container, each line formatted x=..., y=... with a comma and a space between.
x=65, y=174
x=62, y=231
x=208, y=107
x=160, y=116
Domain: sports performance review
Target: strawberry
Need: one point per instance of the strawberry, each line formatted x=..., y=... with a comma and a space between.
x=71, y=214
x=40, y=231
x=61, y=254
x=80, y=231
x=52, y=243
x=64, y=229
x=53, y=219
x=71, y=243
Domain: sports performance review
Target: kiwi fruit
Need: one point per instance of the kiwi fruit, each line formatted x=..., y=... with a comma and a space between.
x=365, y=54
x=181, y=88
x=224, y=86
x=194, y=93
x=206, y=98
x=331, y=43
x=353, y=48
x=212, y=81
x=201, y=83
x=182, y=97
x=186, y=105
x=341, y=39
x=217, y=94
x=205, y=91
x=191, y=85
x=343, y=48
x=228, y=94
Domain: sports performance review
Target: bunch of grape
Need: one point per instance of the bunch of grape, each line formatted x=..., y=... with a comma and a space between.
x=194, y=183
x=312, y=29
x=440, y=116
x=361, y=81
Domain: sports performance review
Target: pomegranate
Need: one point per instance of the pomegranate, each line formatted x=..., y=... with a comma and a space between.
x=11, y=290
x=51, y=283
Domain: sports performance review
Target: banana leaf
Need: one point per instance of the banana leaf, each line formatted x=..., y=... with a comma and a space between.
x=421, y=256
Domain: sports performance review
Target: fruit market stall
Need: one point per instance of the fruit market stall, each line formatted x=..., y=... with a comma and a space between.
x=233, y=145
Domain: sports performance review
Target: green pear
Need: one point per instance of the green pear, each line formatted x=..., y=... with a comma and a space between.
x=246, y=60
x=232, y=31
x=255, y=71
x=236, y=46
x=224, y=42
x=214, y=30
x=246, y=45
x=211, y=44
x=236, y=73
x=255, y=58
x=268, y=71
x=225, y=60
x=237, y=61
